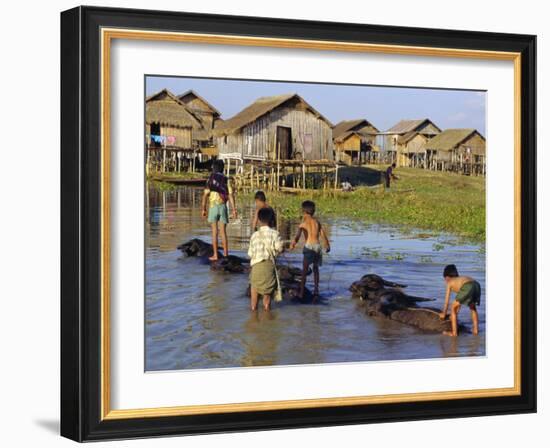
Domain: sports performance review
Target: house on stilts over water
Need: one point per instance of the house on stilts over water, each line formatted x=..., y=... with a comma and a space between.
x=458, y=150
x=282, y=131
x=208, y=114
x=354, y=141
x=176, y=136
x=402, y=143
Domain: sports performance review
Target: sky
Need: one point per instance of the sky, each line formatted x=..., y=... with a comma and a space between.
x=382, y=106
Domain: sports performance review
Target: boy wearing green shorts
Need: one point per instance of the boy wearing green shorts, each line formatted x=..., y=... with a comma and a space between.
x=468, y=293
x=218, y=193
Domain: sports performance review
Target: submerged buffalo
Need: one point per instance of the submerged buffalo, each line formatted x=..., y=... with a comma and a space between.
x=200, y=249
x=382, y=298
x=289, y=276
x=196, y=248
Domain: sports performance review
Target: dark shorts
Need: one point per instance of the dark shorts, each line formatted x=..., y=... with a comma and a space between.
x=469, y=294
x=312, y=256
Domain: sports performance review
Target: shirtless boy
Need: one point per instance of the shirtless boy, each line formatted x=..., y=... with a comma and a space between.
x=468, y=292
x=313, y=232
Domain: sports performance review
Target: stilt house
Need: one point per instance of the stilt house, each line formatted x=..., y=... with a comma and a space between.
x=282, y=127
x=354, y=141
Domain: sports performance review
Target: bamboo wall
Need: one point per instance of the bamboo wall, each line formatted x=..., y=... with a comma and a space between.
x=415, y=145
x=469, y=157
x=183, y=136
x=352, y=143
x=349, y=151
x=476, y=145
x=257, y=140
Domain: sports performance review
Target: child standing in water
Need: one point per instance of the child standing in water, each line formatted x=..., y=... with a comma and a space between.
x=218, y=192
x=265, y=245
x=313, y=254
x=468, y=292
x=261, y=202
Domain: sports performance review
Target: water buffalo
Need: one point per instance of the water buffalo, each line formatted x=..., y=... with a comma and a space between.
x=196, y=248
x=199, y=248
x=288, y=276
x=382, y=298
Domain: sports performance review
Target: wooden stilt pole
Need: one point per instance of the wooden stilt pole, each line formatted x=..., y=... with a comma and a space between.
x=278, y=165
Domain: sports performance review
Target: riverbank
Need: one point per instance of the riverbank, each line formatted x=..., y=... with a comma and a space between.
x=428, y=200
x=433, y=201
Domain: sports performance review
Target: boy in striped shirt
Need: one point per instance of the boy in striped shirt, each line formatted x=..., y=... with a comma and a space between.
x=265, y=245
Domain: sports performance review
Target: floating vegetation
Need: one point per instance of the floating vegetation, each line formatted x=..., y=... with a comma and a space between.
x=371, y=253
x=164, y=186
x=397, y=256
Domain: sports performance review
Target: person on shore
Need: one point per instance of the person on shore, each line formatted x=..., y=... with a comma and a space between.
x=313, y=232
x=390, y=176
x=261, y=203
x=265, y=245
x=468, y=293
x=346, y=185
x=218, y=193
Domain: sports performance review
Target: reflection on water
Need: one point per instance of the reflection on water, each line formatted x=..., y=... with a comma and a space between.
x=196, y=318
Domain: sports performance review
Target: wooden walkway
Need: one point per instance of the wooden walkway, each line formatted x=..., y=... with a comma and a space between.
x=275, y=175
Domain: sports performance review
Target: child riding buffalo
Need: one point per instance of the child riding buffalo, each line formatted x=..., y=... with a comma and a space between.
x=218, y=192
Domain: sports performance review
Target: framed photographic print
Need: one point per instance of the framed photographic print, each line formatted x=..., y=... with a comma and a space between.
x=273, y=223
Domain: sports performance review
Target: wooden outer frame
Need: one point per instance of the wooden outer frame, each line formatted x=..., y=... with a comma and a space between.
x=86, y=34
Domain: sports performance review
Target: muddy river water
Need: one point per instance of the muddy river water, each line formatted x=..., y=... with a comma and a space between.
x=197, y=318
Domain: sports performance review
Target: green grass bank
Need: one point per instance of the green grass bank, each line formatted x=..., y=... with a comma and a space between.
x=429, y=200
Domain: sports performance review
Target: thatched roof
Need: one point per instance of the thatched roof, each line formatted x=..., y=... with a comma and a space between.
x=405, y=138
x=184, y=97
x=449, y=139
x=165, y=108
x=259, y=108
x=405, y=126
x=348, y=125
x=362, y=135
